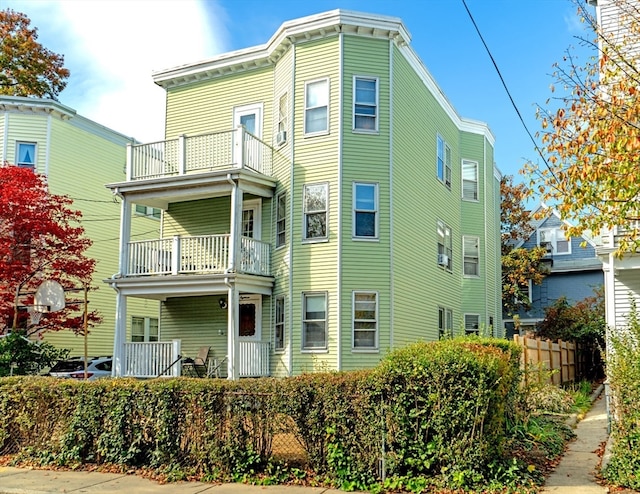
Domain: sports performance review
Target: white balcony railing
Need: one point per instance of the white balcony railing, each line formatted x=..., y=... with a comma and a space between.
x=196, y=255
x=192, y=154
x=254, y=359
x=162, y=359
x=151, y=359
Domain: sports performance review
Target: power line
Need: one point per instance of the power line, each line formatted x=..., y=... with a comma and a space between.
x=504, y=84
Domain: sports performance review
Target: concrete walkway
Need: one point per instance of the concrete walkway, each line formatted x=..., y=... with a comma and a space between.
x=576, y=472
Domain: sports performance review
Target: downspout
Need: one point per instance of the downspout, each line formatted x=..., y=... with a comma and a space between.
x=391, y=253
x=291, y=195
x=340, y=199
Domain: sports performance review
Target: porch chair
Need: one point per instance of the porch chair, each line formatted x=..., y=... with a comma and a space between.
x=215, y=366
x=197, y=366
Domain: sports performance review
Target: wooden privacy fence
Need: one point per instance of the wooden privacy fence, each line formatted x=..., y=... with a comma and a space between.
x=549, y=355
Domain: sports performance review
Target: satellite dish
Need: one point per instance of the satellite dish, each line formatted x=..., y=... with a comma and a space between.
x=49, y=297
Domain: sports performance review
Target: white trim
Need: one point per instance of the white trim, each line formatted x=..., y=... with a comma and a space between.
x=473, y=314
x=391, y=209
x=324, y=349
x=339, y=205
x=327, y=80
x=477, y=239
x=254, y=108
x=477, y=181
x=276, y=349
x=256, y=206
x=376, y=115
x=311, y=240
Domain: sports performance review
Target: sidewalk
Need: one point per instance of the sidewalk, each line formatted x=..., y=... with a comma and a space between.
x=26, y=481
x=576, y=471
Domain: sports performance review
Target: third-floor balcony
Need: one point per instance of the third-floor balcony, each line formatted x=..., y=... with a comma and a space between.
x=217, y=151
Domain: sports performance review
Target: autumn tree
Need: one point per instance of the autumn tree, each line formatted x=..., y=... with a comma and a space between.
x=591, y=139
x=519, y=265
x=26, y=67
x=40, y=239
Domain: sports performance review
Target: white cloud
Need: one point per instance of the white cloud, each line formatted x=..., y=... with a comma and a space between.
x=111, y=48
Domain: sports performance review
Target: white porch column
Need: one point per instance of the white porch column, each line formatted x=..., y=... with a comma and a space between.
x=236, y=227
x=233, y=332
x=120, y=335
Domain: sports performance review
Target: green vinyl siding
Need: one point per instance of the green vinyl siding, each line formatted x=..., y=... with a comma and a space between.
x=314, y=265
x=82, y=157
x=365, y=158
x=419, y=201
x=207, y=106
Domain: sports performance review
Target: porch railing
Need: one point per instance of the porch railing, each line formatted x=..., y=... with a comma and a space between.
x=196, y=255
x=151, y=359
x=254, y=359
x=192, y=154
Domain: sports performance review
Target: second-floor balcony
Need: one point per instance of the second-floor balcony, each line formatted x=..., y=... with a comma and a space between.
x=203, y=254
x=217, y=151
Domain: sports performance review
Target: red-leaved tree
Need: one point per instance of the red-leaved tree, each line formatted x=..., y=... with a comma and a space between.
x=40, y=239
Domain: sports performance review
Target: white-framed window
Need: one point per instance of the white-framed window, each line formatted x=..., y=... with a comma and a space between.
x=144, y=329
x=314, y=321
x=556, y=239
x=281, y=219
x=445, y=322
x=316, y=211
x=365, y=104
x=26, y=154
x=148, y=211
x=471, y=255
x=445, y=246
x=365, y=210
x=444, y=161
x=279, y=325
x=283, y=113
x=472, y=323
x=469, y=180
x=365, y=320
x=316, y=107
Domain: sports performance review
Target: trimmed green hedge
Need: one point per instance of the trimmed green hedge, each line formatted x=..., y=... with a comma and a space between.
x=428, y=409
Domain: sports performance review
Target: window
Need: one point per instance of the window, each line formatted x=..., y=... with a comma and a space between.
x=316, y=107
x=555, y=239
x=314, y=321
x=279, y=324
x=283, y=113
x=444, y=161
x=445, y=322
x=365, y=210
x=365, y=103
x=445, y=249
x=281, y=219
x=315, y=211
x=26, y=154
x=365, y=320
x=472, y=323
x=144, y=329
x=469, y=180
x=471, y=254
x=148, y=211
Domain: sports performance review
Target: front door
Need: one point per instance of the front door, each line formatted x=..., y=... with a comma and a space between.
x=249, y=251
x=250, y=116
x=250, y=317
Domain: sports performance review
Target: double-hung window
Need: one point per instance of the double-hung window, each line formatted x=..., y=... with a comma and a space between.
x=365, y=210
x=314, y=321
x=148, y=211
x=469, y=180
x=283, y=117
x=281, y=219
x=365, y=104
x=555, y=240
x=144, y=329
x=472, y=323
x=445, y=246
x=279, y=324
x=471, y=254
x=365, y=320
x=26, y=154
x=316, y=107
x=445, y=322
x=444, y=161
x=315, y=202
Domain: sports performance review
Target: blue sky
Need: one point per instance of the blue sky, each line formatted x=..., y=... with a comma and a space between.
x=112, y=46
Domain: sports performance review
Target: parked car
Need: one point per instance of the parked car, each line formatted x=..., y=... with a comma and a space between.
x=73, y=368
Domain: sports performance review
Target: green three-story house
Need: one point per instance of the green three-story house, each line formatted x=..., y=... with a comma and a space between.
x=322, y=203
